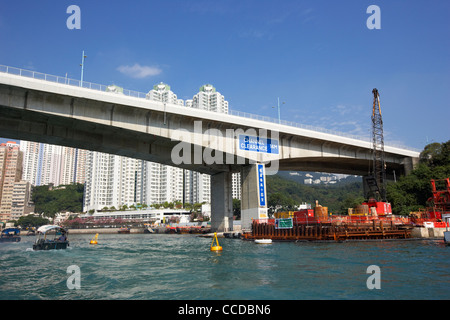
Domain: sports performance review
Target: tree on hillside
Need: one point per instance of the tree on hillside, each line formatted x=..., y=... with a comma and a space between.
x=49, y=202
x=237, y=208
x=436, y=155
x=279, y=202
x=411, y=192
x=284, y=194
x=31, y=221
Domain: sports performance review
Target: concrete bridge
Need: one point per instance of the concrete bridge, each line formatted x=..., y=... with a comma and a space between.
x=52, y=111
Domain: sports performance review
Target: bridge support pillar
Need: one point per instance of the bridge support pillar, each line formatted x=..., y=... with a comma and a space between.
x=253, y=197
x=221, y=202
x=410, y=164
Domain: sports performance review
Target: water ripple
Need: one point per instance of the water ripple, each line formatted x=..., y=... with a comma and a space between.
x=183, y=267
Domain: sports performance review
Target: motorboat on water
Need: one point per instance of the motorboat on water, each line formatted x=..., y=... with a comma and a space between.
x=263, y=241
x=10, y=235
x=46, y=232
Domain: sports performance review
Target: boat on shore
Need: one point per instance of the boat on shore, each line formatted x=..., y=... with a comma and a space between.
x=44, y=241
x=124, y=230
x=10, y=235
x=446, y=232
x=148, y=230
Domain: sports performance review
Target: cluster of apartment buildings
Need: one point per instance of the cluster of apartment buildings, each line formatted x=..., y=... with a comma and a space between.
x=110, y=180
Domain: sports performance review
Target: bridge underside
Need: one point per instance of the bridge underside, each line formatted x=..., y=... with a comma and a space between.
x=360, y=167
x=58, y=130
x=30, y=125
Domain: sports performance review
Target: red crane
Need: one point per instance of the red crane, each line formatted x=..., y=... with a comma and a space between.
x=440, y=200
x=438, y=205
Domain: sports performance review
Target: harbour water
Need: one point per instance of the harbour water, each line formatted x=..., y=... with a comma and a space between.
x=181, y=267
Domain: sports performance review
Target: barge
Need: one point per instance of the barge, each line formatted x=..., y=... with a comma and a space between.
x=316, y=224
x=328, y=231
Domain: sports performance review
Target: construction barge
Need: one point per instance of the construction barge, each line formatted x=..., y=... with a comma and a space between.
x=316, y=225
x=377, y=230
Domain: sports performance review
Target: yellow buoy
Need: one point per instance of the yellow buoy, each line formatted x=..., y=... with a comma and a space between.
x=94, y=240
x=216, y=247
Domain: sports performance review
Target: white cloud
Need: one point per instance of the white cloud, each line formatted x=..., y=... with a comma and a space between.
x=29, y=66
x=209, y=7
x=346, y=109
x=139, y=72
x=307, y=15
x=254, y=33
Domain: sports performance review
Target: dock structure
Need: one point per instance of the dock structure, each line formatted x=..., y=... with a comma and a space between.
x=328, y=231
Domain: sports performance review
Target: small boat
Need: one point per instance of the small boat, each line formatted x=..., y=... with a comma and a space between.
x=148, y=230
x=59, y=240
x=124, y=230
x=171, y=230
x=446, y=232
x=447, y=237
x=10, y=235
x=263, y=241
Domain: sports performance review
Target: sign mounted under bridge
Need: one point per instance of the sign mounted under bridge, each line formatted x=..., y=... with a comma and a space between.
x=265, y=145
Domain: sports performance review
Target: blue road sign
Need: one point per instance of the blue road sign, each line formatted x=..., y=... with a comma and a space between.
x=251, y=143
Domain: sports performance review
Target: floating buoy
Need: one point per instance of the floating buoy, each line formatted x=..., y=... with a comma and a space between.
x=94, y=240
x=217, y=247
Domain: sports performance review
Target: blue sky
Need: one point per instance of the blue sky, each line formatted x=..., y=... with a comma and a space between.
x=318, y=56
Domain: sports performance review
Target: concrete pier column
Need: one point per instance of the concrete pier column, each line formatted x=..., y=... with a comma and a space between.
x=221, y=202
x=253, y=197
x=409, y=164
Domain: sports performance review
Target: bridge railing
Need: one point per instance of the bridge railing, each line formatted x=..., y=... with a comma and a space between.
x=298, y=125
x=66, y=80
x=136, y=94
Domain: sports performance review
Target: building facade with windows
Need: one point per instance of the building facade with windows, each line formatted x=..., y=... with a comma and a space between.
x=21, y=202
x=161, y=92
x=110, y=181
x=45, y=164
x=209, y=99
x=11, y=161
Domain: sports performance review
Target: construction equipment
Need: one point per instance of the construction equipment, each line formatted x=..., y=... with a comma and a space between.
x=440, y=199
x=438, y=205
x=375, y=183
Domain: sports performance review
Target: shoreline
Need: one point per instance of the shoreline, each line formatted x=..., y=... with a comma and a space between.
x=105, y=231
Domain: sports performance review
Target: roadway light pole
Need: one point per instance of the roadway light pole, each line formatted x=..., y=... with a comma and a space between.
x=82, y=68
x=279, y=111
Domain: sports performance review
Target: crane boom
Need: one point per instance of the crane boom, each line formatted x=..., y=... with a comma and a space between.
x=379, y=164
